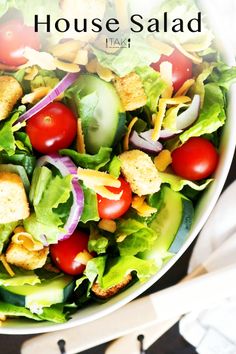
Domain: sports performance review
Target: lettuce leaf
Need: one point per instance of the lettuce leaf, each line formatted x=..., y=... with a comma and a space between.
x=90, y=210
x=224, y=75
x=141, y=53
x=177, y=183
x=114, y=167
x=94, y=162
x=133, y=237
x=16, y=311
x=48, y=196
x=21, y=277
x=117, y=268
x=7, y=142
x=212, y=115
x=97, y=242
x=44, y=78
x=54, y=314
x=110, y=272
x=5, y=233
x=153, y=85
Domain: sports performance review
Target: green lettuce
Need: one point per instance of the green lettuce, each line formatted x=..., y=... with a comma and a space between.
x=90, y=210
x=212, y=115
x=7, y=129
x=94, y=162
x=114, y=167
x=16, y=311
x=153, y=85
x=44, y=78
x=117, y=268
x=97, y=242
x=21, y=277
x=54, y=314
x=133, y=237
x=5, y=233
x=223, y=75
x=141, y=53
x=177, y=183
x=49, y=197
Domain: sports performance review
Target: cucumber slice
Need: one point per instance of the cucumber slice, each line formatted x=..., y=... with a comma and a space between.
x=172, y=224
x=47, y=293
x=98, y=107
x=19, y=170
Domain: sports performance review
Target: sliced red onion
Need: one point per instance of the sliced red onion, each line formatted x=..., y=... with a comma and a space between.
x=67, y=81
x=188, y=117
x=150, y=147
x=165, y=134
x=66, y=166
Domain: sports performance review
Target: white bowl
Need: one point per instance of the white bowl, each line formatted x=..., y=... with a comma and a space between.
x=203, y=211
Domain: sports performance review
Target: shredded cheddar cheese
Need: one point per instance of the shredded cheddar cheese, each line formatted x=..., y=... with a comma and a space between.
x=184, y=88
x=83, y=257
x=126, y=138
x=142, y=208
x=163, y=102
x=97, y=178
x=107, y=225
x=80, y=145
x=163, y=160
x=6, y=266
x=105, y=193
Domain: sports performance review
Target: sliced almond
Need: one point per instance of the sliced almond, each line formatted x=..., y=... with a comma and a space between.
x=36, y=95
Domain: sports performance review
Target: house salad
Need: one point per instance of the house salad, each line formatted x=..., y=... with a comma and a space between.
x=104, y=153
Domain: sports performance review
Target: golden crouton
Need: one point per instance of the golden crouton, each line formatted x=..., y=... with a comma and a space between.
x=13, y=201
x=18, y=255
x=105, y=294
x=131, y=91
x=10, y=92
x=140, y=172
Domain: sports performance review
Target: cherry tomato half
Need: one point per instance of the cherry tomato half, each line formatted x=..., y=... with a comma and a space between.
x=113, y=209
x=196, y=159
x=14, y=37
x=52, y=129
x=181, y=67
x=64, y=253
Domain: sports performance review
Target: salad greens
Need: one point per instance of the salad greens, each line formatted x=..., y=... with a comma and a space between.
x=100, y=204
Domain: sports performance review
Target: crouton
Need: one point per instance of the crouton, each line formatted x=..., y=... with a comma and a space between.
x=131, y=91
x=105, y=294
x=13, y=201
x=18, y=255
x=140, y=172
x=10, y=92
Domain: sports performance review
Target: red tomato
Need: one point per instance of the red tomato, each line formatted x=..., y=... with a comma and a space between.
x=64, y=253
x=14, y=37
x=181, y=67
x=113, y=209
x=196, y=159
x=52, y=129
